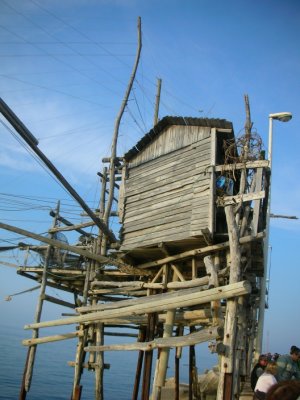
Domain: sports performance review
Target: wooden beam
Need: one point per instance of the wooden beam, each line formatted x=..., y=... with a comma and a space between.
x=156, y=303
x=203, y=250
x=54, y=300
x=57, y=271
x=54, y=338
x=64, y=246
x=176, y=341
x=248, y=165
x=228, y=200
x=88, y=365
x=72, y=227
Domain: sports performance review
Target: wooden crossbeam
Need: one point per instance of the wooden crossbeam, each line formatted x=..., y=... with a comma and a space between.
x=202, y=250
x=156, y=303
x=178, y=341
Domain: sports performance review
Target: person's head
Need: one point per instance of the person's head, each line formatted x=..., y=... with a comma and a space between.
x=271, y=368
x=295, y=353
x=285, y=390
x=263, y=360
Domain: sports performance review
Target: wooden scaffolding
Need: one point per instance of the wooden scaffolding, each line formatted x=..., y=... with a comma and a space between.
x=187, y=267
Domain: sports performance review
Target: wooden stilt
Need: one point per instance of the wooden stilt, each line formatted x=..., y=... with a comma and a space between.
x=162, y=365
x=99, y=363
x=191, y=361
x=79, y=360
x=142, y=337
x=193, y=375
x=32, y=349
x=227, y=370
x=77, y=393
x=178, y=353
x=80, y=353
x=148, y=358
x=177, y=376
x=23, y=392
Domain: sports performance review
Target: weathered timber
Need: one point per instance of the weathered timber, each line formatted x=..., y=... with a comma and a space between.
x=88, y=365
x=54, y=338
x=189, y=170
x=177, y=341
x=128, y=291
x=28, y=370
x=60, y=286
x=60, y=302
x=171, y=158
x=227, y=361
x=227, y=200
x=162, y=361
x=72, y=227
x=56, y=243
x=68, y=223
x=56, y=271
x=247, y=164
x=257, y=203
x=169, y=301
x=203, y=250
x=158, y=222
x=172, y=285
x=169, y=144
x=157, y=101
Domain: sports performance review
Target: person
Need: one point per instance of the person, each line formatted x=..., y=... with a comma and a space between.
x=288, y=367
x=275, y=356
x=265, y=381
x=258, y=370
x=285, y=390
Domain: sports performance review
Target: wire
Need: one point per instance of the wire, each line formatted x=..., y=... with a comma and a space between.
x=10, y=296
x=28, y=149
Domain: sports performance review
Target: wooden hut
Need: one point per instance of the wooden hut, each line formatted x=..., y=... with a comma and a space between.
x=168, y=191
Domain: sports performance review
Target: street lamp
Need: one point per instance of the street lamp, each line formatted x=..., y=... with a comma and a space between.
x=283, y=117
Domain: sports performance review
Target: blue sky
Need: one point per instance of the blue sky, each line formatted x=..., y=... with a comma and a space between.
x=64, y=69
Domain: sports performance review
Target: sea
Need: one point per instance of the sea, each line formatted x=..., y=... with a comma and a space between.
x=52, y=377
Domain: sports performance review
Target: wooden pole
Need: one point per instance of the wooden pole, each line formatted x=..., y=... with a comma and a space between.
x=80, y=354
x=54, y=338
x=57, y=243
x=157, y=101
x=152, y=320
x=164, y=354
x=228, y=375
x=178, y=352
x=117, y=126
x=142, y=337
x=99, y=368
x=100, y=246
x=32, y=348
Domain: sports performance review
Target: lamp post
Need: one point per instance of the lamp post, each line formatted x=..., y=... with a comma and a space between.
x=283, y=117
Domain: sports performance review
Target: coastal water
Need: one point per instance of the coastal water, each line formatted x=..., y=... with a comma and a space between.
x=52, y=378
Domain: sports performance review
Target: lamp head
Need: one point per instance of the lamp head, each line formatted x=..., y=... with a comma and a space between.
x=282, y=116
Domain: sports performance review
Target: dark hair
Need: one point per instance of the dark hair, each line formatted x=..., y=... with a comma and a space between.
x=263, y=357
x=294, y=350
x=287, y=390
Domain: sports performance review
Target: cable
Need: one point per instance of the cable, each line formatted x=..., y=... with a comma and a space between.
x=10, y=296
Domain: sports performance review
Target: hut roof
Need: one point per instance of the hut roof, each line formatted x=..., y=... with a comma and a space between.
x=168, y=121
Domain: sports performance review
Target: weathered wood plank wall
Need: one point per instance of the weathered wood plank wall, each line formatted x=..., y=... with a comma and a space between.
x=167, y=198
